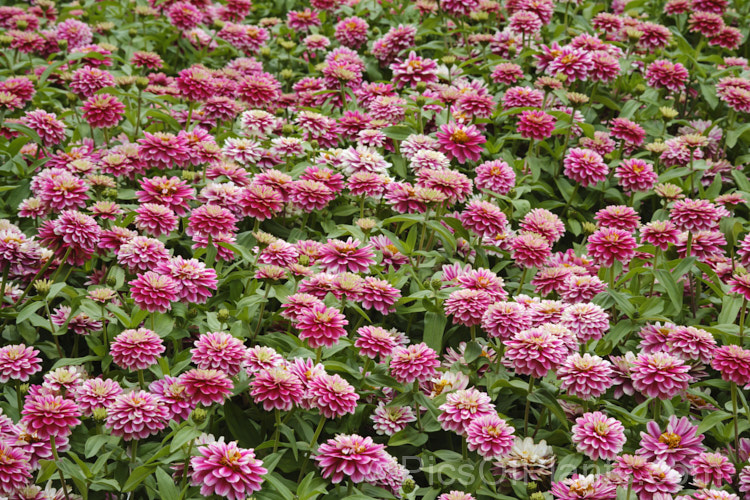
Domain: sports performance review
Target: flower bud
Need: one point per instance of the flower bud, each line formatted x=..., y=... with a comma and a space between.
x=199, y=415
x=141, y=82
x=42, y=287
x=99, y=415
x=223, y=315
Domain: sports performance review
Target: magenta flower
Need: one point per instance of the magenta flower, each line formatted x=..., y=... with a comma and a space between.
x=18, y=362
x=136, y=349
x=530, y=249
x=211, y=220
x=585, y=166
x=660, y=233
x=660, y=375
x=321, y=325
x=504, y=319
x=414, y=362
x=155, y=219
x=277, y=388
x=695, y=215
x=206, y=386
x=734, y=364
x=658, y=479
x=194, y=280
x=496, y=176
x=663, y=73
x=468, y=306
x=46, y=125
x=378, y=294
x=461, y=407
x=490, y=436
x=677, y=445
x=354, y=456
x=225, y=469
x=136, y=415
x=635, y=174
x=341, y=256
x=96, y=393
x=48, y=415
x=332, y=395
x=462, y=142
x=219, y=351
x=102, y=111
x=608, y=245
x=536, y=124
x=154, y=292
x=585, y=376
x=174, y=397
x=414, y=69
x=708, y=468
x=170, y=192
x=164, y=150
x=598, y=436
x=586, y=320
x=375, y=341
x=535, y=352
x=15, y=469
x=73, y=231
x=589, y=487
x=389, y=420
x=484, y=218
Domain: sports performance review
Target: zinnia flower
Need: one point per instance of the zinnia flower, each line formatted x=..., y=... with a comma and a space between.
x=534, y=352
x=154, y=292
x=277, y=388
x=733, y=362
x=357, y=457
x=206, y=386
x=332, y=395
x=219, y=351
x=708, y=468
x=102, y=111
x=389, y=420
x=585, y=376
x=598, y=436
x=48, y=415
x=462, y=142
x=15, y=469
x=585, y=166
x=341, y=256
x=225, y=469
x=484, y=218
x=136, y=349
x=414, y=362
x=536, y=124
x=490, y=436
x=18, y=362
x=321, y=325
x=608, y=245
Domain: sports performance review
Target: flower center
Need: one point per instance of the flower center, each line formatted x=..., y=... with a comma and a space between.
x=459, y=137
x=671, y=439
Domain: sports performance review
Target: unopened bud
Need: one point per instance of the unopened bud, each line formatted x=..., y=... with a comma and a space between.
x=436, y=284
x=265, y=51
x=449, y=60
x=62, y=44
x=42, y=286
x=219, y=24
x=408, y=485
x=421, y=86
x=23, y=389
x=589, y=227
x=421, y=100
x=287, y=129
x=99, y=415
x=304, y=260
x=22, y=24
x=141, y=82
x=287, y=74
x=192, y=313
x=668, y=113
x=536, y=496
x=314, y=144
x=532, y=487
x=199, y=415
x=366, y=224
x=223, y=315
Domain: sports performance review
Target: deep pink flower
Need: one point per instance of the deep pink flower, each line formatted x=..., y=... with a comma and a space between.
x=86, y=81
x=590, y=487
x=663, y=73
x=96, y=393
x=341, y=256
x=194, y=280
x=660, y=375
x=414, y=69
x=211, y=220
x=46, y=125
x=102, y=111
x=206, y=386
x=357, y=457
x=259, y=201
x=660, y=233
x=585, y=166
x=332, y=395
x=141, y=253
x=484, y=218
x=490, y=436
x=691, y=343
x=530, y=249
x=536, y=124
x=586, y=320
x=389, y=420
x=414, y=362
x=598, y=436
x=219, y=351
x=585, y=376
x=572, y=62
x=507, y=73
x=635, y=174
x=48, y=415
x=169, y=191
x=174, y=397
x=15, y=469
x=534, y=352
x=679, y=442
x=155, y=219
x=496, y=176
x=154, y=292
x=225, y=469
x=608, y=245
x=378, y=294
x=164, y=150
x=695, y=215
x=708, y=468
x=467, y=306
x=137, y=349
x=73, y=231
x=321, y=325
x=733, y=362
x=277, y=388
x=619, y=217
x=375, y=341
x=628, y=131
x=195, y=83
x=504, y=319
x=543, y=222
x=461, y=142
x=658, y=479
x=18, y=362
x=62, y=190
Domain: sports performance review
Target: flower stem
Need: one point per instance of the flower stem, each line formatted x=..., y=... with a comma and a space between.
x=277, y=434
x=736, y=421
x=743, y=312
x=313, y=442
x=528, y=406
x=59, y=471
x=523, y=278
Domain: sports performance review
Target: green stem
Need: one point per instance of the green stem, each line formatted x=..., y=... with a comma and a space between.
x=59, y=471
x=313, y=442
x=19, y=399
x=417, y=408
x=183, y=481
x=260, y=314
x=464, y=449
x=2, y=284
x=40, y=273
x=277, y=434
x=141, y=380
x=736, y=420
x=318, y=355
x=523, y=279
x=528, y=406
x=742, y=318
x=133, y=453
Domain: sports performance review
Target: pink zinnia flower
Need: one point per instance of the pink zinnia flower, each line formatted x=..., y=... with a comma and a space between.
x=504, y=319
x=46, y=125
x=598, y=436
x=608, y=245
x=660, y=375
x=321, y=325
x=618, y=216
x=414, y=69
x=48, y=415
x=332, y=395
x=663, y=73
x=535, y=352
x=572, y=62
x=174, y=397
x=490, y=436
x=467, y=306
x=460, y=141
x=585, y=166
x=628, y=131
x=679, y=442
x=389, y=420
x=62, y=190
x=96, y=393
x=164, y=150
x=225, y=469
x=155, y=219
x=660, y=233
x=585, y=376
x=484, y=218
x=211, y=220
x=219, y=351
x=15, y=469
x=657, y=480
x=71, y=230
x=355, y=456
x=530, y=249
x=536, y=124
x=277, y=388
x=102, y=111
x=710, y=468
x=141, y=253
x=154, y=292
x=378, y=294
x=137, y=349
x=543, y=222
x=734, y=364
x=586, y=320
x=194, y=280
x=376, y=341
x=18, y=362
x=261, y=202
x=206, y=386
x=414, y=362
x=171, y=192
x=506, y=73
x=589, y=487
x=87, y=80
x=341, y=256
x=695, y=215
x=496, y=176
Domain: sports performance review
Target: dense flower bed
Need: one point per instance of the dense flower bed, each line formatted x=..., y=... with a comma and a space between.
x=452, y=249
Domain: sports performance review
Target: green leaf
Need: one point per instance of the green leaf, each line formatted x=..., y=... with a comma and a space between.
x=138, y=476
x=28, y=310
x=168, y=490
x=182, y=437
x=409, y=436
x=397, y=132
x=434, y=328
x=670, y=285
x=710, y=421
x=473, y=351
x=279, y=486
